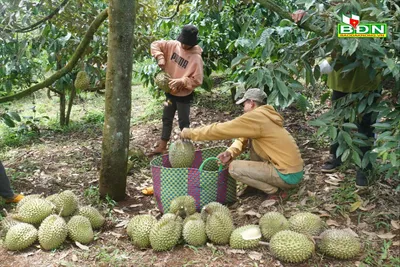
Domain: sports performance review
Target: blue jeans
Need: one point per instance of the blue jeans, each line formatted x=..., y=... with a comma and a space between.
x=5, y=187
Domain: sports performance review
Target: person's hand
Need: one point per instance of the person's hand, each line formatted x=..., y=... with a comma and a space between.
x=177, y=84
x=185, y=133
x=161, y=63
x=298, y=15
x=225, y=157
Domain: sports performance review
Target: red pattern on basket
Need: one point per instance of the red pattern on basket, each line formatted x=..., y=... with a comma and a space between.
x=194, y=185
x=222, y=186
x=156, y=172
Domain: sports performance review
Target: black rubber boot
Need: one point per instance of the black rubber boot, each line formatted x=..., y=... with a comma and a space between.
x=331, y=164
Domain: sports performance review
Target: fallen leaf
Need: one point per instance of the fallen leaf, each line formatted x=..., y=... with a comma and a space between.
x=135, y=205
x=331, y=182
x=253, y=213
x=362, y=226
x=74, y=258
x=267, y=203
x=355, y=206
x=369, y=233
x=396, y=243
x=29, y=254
x=351, y=232
x=368, y=208
x=254, y=255
x=122, y=224
x=116, y=234
x=395, y=224
x=311, y=194
x=119, y=211
x=304, y=201
x=388, y=235
x=81, y=246
x=330, y=222
x=236, y=251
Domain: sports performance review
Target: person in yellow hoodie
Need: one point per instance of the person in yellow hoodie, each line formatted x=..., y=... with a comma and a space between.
x=5, y=189
x=181, y=59
x=275, y=163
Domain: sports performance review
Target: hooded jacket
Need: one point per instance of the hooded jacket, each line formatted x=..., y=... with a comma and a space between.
x=264, y=126
x=180, y=63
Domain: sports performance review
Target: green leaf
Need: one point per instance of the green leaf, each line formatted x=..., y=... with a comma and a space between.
x=332, y=132
x=356, y=158
x=393, y=159
x=317, y=72
x=350, y=125
x=382, y=125
x=282, y=88
x=317, y=122
x=345, y=155
x=347, y=137
x=325, y=96
x=15, y=116
x=362, y=105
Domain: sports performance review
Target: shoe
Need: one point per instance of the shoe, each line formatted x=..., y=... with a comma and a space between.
x=249, y=191
x=160, y=149
x=331, y=164
x=361, y=179
x=280, y=195
x=17, y=198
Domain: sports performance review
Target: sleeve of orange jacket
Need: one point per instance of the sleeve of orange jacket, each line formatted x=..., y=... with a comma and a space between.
x=237, y=147
x=245, y=126
x=157, y=49
x=196, y=79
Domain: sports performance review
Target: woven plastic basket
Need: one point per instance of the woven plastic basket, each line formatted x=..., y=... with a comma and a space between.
x=205, y=181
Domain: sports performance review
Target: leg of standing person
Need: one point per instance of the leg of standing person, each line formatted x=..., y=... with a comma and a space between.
x=5, y=188
x=183, y=114
x=333, y=162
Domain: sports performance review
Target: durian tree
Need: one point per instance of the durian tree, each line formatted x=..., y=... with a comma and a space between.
x=118, y=99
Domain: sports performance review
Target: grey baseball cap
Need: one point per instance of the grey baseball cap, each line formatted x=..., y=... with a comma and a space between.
x=253, y=94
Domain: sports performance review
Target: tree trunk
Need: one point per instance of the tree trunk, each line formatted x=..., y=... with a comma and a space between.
x=62, y=109
x=117, y=99
x=70, y=103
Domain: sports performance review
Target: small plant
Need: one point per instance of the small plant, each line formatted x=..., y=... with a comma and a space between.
x=92, y=195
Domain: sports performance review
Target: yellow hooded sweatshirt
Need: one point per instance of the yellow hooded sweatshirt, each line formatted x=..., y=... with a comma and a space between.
x=264, y=126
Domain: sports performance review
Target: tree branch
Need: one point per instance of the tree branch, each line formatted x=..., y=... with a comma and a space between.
x=269, y=4
x=176, y=11
x=69, y=66
x=40, y=22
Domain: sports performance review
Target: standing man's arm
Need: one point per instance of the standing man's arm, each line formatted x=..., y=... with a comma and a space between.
x=157, y=49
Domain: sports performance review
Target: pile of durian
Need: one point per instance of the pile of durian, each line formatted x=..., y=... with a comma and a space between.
x=289, y=240
x=50, y=221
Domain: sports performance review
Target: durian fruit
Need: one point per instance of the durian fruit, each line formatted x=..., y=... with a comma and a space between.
x=291, y=247
x=245, y=237
x=52, y=198
x=183, y=205
x=181, y=154
x=20, y=236
x=271, y=223
x=171, y=216
x=80, y=229
x=162, y=80
x=214, y=206
x=94, y=216
x=194, y=216
x=6, y=224
x=339, y=244
x=219, y=227
x=138, y=230
x=26, y=199
x=82, y=81
x=194, y=232
x=66, y=203
x=306, y=223
x=165, y=234
x=34, y=211
x=52, y=232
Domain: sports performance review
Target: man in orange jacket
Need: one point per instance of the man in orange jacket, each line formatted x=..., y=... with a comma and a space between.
x=182, y=60
x=275, y=162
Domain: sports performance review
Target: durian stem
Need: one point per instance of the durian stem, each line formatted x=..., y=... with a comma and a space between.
x=263, y=243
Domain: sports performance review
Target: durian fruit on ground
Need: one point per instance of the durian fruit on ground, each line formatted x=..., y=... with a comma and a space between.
x=94, y=216
x=80, y=229
x=26, y=199
x=194, y=232
x=340, y=244
x=291, y=247
x=306, y=223
x=219, y=227
x=181, y=154
x=183, y=205
x=245, y=237
x=165, y=234
x=34, y=211
x=138, y=230
x=66, y=202
x=20, y=236
x=51, y=198
x=194, y=216
x=82, y=81
x=272, y=223
x=214, y=206
x=52, y=232
x=6, y=224
x=162, y=81
x=171, y=216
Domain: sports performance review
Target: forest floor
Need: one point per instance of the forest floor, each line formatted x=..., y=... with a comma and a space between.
x=61, y=159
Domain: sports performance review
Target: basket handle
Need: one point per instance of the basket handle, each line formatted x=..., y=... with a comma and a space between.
x=208, y=159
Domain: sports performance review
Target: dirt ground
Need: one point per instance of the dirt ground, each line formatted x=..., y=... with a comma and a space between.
x=72, y=160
